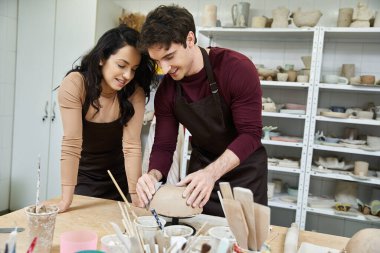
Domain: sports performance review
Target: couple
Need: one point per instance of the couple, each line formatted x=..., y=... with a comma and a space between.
x=215, y=93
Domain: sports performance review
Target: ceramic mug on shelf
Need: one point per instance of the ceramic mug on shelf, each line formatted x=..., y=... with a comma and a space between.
x=302, y=78
x=361, y=168
x=209, y=15
x=348, y=70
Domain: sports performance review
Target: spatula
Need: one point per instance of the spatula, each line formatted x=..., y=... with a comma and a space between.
x=225, y=188
x=236, y=221
x=245, y=197
x=262, y=222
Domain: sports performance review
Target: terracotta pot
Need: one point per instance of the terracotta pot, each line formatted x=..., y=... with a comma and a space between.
x=367, y=79
x=306, y=18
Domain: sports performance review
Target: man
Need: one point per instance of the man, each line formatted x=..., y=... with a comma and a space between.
x=216, y=94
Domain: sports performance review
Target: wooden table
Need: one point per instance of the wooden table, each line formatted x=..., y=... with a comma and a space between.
x=95, y=214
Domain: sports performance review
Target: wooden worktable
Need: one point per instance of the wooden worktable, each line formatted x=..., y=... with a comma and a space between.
x=95, y=214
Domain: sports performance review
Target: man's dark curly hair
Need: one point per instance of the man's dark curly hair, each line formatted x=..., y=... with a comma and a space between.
x=165, y=25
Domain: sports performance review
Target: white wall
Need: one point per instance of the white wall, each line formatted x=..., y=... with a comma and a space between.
x=8, y=34
x=329, y=8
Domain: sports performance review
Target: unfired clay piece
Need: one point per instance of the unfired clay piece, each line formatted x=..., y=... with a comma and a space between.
x=168, y=201
x=364, y=241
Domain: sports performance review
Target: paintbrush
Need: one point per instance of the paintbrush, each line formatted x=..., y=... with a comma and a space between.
x=157, y=219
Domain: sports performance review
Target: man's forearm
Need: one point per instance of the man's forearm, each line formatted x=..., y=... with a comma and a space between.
x=225, y=163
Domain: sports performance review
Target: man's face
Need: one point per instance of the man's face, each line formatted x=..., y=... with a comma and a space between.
x=176, y=61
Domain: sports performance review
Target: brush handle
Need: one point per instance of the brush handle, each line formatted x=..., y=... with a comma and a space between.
x=156, y=218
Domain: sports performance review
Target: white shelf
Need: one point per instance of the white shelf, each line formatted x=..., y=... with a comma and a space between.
x=282, y=143
x=284, y=169
x=370, y=122
x=346, y=150
x=284, y=84
x=285, y=115
x=356, y=34
x=259, y=33
x=276, y=202
x=347, y=87
x=370, y=180
x=331, y=212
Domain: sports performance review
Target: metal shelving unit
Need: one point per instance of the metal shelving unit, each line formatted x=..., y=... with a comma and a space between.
x=340, y=38
x=316, y=38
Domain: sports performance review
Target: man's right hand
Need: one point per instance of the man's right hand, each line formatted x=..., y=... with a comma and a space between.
x=67, y=197
x=145, y=185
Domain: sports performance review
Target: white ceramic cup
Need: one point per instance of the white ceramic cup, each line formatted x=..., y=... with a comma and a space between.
x=111, y=244
x=361, y=168
x=270, y=190
x=282, y=77
x=302, y=78
x=179, y=230
x=147, y=226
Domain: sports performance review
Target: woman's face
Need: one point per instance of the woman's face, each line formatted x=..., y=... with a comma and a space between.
x=119, y=69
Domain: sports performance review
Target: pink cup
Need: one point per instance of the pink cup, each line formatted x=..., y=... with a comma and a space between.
x=74, y=241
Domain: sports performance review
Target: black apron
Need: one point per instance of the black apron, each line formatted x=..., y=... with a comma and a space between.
x=210, y=122
x=101, y=151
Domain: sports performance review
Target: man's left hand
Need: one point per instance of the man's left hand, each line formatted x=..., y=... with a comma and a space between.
x=199, y=187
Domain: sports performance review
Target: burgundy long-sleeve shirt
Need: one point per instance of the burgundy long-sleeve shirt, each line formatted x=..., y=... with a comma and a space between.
x=238, y=84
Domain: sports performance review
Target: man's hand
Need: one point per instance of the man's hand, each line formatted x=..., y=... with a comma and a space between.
x=145, y=185
x=199, y=187
x=67, y=197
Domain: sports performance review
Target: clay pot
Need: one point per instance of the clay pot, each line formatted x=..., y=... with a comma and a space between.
x=209, y=15
x=348, y=70
x=345, y=17
x=367, y=79
x=259, y=22
x=361, y=168
x=292, y=75
x=306, y=18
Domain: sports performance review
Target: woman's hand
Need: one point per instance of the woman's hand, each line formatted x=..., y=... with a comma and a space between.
x=136, y=200
x=67, y=197
x=145, y=186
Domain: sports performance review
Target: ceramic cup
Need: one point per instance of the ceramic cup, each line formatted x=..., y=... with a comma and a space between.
x=147, y=227
x=335, y=79
x=348, y=70
x=41, y=225
x=277, y=185
x=367, y=79
x=179, y=230
x=361, y=168
x=258, y=22
x=270, y=190
x=111, y=244
x=221, y=232
x=345, y=17
x=292, y=75
x=209, y=15
x=282, y=77
x=302, y=78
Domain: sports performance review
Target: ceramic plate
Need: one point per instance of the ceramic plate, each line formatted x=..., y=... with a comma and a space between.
x=359, y=177
x=366, y=85
x=340, y=115
x=368, y=148
x=354, y=142
x=291, y=111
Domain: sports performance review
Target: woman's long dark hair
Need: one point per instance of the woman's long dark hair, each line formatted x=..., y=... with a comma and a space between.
x=107, y=45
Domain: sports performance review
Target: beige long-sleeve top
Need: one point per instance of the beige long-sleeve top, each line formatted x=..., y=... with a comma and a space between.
x=71, y=96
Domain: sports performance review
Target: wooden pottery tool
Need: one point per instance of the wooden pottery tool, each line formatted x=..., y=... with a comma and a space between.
x=262, y=220
x=245, y=197
x=225, y=188
x=236, y=221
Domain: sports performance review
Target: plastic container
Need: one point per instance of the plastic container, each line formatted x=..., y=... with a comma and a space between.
x=74, y=241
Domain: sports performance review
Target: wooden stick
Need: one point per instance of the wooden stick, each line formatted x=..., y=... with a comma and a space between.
x=221, y=202
x=199, y=230
x=126, y=225
x=118, y=188
x=138, y=237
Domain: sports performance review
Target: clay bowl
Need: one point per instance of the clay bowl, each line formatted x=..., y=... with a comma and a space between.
x=168, y=201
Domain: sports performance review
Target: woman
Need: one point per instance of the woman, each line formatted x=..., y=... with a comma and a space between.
x=102, y=105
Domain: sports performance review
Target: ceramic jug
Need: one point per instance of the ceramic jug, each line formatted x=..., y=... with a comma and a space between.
x=240, y=14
